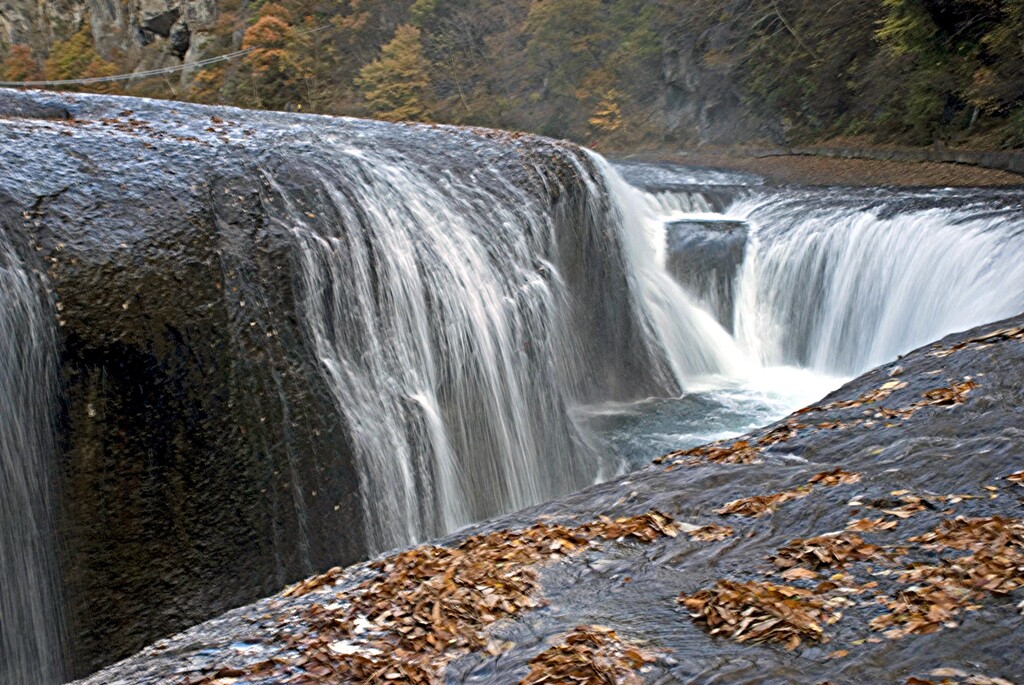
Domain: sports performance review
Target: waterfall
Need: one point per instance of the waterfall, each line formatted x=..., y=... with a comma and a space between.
x=461, y=326
x=31, y=642
x=829, y=281
x=840, y=284
x=692, y=341
x=442, y=323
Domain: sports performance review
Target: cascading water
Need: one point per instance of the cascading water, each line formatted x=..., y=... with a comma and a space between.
x=440, y=318
x=825, y=285
x=446, y=319
x=838, y=282
x=693, y=342
x=31, y=644
x=841, y=286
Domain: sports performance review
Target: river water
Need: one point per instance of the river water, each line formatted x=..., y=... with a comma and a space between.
x=828, y=283
x=488, y=356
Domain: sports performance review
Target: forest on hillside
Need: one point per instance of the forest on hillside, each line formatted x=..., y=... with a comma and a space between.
x=612, y=73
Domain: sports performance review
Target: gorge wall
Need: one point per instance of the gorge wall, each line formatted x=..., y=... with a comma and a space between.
x=146, y=34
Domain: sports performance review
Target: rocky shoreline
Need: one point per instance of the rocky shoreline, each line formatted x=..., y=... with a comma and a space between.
x=876, y=536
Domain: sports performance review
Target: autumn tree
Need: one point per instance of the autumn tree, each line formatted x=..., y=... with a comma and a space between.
x=607, y=116
x=578, y=51
x=476, y=56
x=562, y=53
x=76, y=58
x=397, y=84
x=271, y=66
x=20, y=65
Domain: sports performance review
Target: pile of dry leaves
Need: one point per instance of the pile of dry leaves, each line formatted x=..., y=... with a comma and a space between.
x=709, y=533
x=974, y=534
x=760, y=612
x=869, y=397
x=929, y=605
x=875, y=525
x=834, y=550
x=836, y=476
x=906, y=505
x=938, y=593
x=947, y=396
x=589, y=655
x=760, y=505
x=739, y=452
x=429, y=604
x=955, y=676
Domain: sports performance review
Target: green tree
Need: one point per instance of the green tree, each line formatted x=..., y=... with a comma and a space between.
x=397, y=84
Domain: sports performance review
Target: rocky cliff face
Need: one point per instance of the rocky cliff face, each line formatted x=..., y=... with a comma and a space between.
x=146, y=33
x=702, y=100
x=194, y=418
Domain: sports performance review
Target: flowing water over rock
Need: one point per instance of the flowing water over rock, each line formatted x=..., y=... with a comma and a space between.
x=442, y=323
x=291, y=342
x=31, y=643
x=788, y=291
x=840, y=283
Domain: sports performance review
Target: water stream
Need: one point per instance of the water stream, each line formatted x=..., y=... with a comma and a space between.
x=829, y=283
x=31, y=645
x=446, y=317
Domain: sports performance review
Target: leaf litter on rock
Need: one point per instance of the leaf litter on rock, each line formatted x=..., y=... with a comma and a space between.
x=590, y=655
x=998, y=335
x=760, y=612
x=876, y=525
x=836, y=476
x=761, y=505
x=426, y=605
x=710, y=533
x=938, y=593
x=830, y=550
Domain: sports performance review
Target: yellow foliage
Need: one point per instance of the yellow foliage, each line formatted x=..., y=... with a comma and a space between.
x=607, y=116
x=277, y=11
x=396, y=85
x=76, y=58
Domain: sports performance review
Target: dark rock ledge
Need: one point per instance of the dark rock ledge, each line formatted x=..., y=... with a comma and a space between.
x=931, y=437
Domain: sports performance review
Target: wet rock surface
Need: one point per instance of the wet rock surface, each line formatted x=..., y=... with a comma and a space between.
x=878, y=529
x=705, y=257
x=204, y=462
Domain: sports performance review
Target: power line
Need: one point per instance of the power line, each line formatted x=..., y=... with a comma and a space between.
x=144, y=74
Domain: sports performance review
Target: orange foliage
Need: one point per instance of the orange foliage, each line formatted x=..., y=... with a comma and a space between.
x=20, y=65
